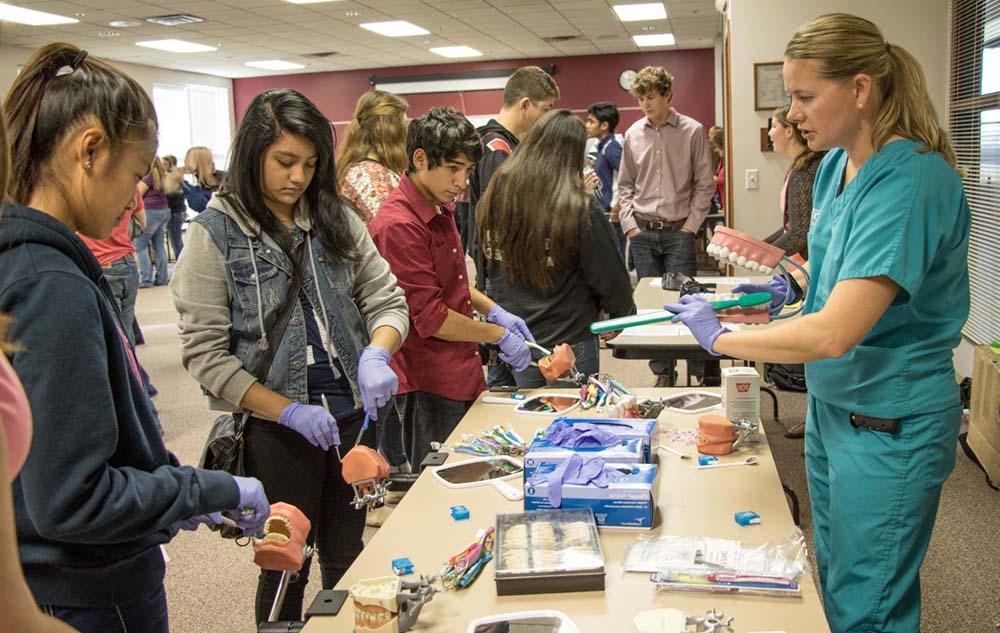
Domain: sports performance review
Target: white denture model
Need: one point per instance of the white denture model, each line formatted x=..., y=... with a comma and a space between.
x=735, y=247
x=388, y=604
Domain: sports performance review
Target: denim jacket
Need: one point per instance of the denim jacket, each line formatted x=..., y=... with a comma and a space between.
x=230, y=283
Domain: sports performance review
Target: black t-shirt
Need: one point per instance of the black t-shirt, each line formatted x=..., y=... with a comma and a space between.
x=321, y=378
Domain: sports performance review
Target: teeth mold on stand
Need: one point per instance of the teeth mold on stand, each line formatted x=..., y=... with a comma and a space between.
x=366, y=471
x=282, y=548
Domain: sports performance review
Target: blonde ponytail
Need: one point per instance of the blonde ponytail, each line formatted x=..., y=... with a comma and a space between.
x=846, y=45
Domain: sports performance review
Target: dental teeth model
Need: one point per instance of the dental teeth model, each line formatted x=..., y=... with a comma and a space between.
x=388, y=604
x=282, y=548
x=366, y=471
x=738, y=248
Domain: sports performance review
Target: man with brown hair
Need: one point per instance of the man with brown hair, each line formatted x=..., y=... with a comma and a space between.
x=529, y=93
x=665, y=187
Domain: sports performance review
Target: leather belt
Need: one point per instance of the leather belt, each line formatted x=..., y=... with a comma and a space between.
x=657, y=225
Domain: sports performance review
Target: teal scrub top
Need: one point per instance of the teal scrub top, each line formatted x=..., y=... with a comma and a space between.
x=905, y=217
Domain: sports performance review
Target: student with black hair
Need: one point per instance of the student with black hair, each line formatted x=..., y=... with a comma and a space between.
x=550, y=250
x=439, y=367
x=279, y=218
x=602, y=119
x=99, y=492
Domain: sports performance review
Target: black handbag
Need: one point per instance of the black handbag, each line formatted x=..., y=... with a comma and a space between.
x=224, y=446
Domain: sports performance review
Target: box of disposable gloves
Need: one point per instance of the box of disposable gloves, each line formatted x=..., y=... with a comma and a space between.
x=645, y=429
x=619, y=494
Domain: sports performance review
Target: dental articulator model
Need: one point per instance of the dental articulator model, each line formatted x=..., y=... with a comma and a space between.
x=282, y=548
x=740, y=249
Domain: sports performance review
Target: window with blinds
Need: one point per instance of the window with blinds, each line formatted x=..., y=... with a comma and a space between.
x=974, y=119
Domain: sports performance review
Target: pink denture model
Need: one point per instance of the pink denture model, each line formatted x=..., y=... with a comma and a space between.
x=282, y=547
x=753, y=315
x=366, y=471
x=716, y=435
x=735, y=247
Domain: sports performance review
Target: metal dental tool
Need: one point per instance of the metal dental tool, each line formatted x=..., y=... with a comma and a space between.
x=336, y=447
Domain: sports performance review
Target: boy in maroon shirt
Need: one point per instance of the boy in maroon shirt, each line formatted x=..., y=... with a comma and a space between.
x=439, y=367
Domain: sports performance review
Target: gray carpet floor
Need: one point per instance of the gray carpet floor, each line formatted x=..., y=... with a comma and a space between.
x=211, y=582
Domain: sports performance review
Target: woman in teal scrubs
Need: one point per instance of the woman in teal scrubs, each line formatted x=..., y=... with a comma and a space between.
x=887, y=299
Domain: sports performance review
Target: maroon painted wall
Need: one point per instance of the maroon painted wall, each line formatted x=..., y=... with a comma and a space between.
x=582, y=81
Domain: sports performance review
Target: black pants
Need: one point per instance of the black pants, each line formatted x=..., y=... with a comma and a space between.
x=296, y=472
x=427, y=418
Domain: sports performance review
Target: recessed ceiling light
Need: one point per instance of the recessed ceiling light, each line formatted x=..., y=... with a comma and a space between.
x=109, y=33
x=395, y=28
x=456, y=51
x=657, y=39
x=639, y=12
x=31, y=17
x=275, y=64
x=124, y=24
x=176, y=46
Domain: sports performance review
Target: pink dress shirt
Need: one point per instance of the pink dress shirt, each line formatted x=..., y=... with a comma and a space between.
x=666, y=173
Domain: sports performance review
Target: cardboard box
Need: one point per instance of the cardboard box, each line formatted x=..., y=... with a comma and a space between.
x=629, y=451
x=741, y=393
x=628, y=501
x=647, y=430
x=984, y=421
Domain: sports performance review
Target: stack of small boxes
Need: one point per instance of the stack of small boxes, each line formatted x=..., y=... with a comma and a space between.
x=629, y=500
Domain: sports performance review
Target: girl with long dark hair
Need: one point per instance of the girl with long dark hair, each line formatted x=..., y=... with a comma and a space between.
x=552, y=256
x=276, y=217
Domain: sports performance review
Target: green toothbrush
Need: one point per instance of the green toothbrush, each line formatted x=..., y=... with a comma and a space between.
x=748, y=300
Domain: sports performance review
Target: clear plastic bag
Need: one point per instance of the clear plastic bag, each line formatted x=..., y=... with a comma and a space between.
x=679, y=563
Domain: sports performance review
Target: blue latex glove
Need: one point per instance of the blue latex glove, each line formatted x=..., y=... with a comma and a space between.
x=509, y=321
x=212, y=518
x=376, y=380
x=314, y=423
x=694, y=312
x=778, y=289
x=581, y=435
x=513, y=351
x=253, y=508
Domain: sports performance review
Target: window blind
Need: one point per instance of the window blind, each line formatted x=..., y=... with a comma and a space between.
x=974, y=123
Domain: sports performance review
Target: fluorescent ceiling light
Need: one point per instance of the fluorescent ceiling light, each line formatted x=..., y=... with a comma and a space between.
x=456, y=51
x=31, y=17
x=176, y=46
x=657, y=39
x=639, y=12
x=275, y=64
x=397, y=28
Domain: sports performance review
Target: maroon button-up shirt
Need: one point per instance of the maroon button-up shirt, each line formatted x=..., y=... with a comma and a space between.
x=421, y=244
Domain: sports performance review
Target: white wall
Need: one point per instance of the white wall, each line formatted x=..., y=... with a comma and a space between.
x=11, y=58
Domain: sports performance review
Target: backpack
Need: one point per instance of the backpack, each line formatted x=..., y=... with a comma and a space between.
x=787, y=377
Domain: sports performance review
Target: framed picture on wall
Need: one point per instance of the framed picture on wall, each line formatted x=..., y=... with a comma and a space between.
x=769, y=86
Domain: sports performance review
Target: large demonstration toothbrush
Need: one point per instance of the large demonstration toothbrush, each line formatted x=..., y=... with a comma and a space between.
x=749, y=300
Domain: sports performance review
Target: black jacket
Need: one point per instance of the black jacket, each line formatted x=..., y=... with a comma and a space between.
x=498, y=143
x=99, y=491
x=596, y=282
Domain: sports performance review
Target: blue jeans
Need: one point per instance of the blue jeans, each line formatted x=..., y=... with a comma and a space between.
x=389, y=436
x=175, y=231
x=123, y=277
x=659, y=251
x=588, y=362
x=142, y=615
x=156, y=222
x=427, y=417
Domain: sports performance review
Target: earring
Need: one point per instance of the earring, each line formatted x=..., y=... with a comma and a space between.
x=860, y=105
x=87, y=165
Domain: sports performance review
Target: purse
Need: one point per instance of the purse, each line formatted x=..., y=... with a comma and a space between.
x=224, y=446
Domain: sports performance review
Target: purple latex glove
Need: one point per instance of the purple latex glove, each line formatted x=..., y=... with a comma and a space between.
x=509, y=321
x=581, y=435
x=376, y=380
x=573, y=470
x=777, y=288
x=513, y=351
x=210, y=519
x=314, y=423
x=253, y=508
x=694, y=312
